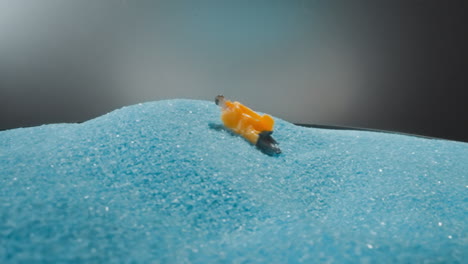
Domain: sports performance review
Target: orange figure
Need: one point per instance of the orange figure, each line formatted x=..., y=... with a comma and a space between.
x=257, y=129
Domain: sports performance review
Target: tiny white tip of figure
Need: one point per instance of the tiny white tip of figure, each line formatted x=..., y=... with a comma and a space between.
x=219, y=100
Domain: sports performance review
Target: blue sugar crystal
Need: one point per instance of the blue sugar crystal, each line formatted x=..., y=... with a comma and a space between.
x=163, y=182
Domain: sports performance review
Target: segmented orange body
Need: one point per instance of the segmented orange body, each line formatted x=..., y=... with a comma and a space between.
x=244, y=121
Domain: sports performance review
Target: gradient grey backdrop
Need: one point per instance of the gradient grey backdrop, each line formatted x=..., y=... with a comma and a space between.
x=394, y=65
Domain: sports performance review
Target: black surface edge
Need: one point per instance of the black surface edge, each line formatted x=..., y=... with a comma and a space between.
x=367, y=130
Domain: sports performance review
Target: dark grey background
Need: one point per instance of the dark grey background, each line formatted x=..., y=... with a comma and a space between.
x=392, y=65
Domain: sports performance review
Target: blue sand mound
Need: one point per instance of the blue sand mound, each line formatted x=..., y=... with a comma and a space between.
x=161, y=182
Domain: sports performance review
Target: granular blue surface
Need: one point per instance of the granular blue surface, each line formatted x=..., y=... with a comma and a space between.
x=162, y=182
